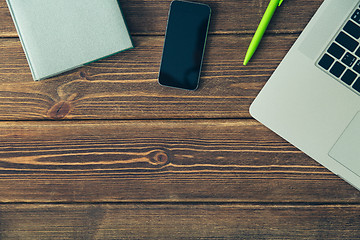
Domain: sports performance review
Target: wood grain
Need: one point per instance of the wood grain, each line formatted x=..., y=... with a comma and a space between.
x=181, y=161
x=125, y=86
x=231, y=16
x=155, y=221
x=104, y=152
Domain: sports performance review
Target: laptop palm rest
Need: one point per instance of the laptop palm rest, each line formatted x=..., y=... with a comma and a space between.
x=347, y=148
x=327, y=20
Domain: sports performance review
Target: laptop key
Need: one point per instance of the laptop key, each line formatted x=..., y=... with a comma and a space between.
x=357, y=67
x=346, y=41
x=326, y=61
x=356, y=16
x=349, y=77
x=336, y=50
x=352, y=29
x=357, y=53
x=337, y=69
x=348, y=59
x=356, y=85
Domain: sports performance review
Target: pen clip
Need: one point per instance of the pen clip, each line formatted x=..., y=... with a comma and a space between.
x=280, y=2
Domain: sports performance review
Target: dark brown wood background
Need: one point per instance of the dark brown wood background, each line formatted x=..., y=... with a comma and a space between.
x=104, y=152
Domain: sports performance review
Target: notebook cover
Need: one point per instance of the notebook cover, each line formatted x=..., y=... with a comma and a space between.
x=58, y=36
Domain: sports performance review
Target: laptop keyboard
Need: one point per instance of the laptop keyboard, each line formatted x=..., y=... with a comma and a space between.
x=342, y=58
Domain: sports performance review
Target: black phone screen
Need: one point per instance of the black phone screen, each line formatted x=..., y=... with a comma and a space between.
x=184, y=45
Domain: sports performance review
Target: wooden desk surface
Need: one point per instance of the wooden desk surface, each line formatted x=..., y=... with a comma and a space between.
x=104, y=152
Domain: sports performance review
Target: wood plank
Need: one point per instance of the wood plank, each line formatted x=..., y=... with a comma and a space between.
x=125, y=86
x=173, y=161
x=231, y=16
x=155, y=221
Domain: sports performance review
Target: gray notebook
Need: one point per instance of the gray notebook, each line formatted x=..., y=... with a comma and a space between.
x=58, y=36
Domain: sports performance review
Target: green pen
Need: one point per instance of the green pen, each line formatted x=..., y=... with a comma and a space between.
x=261, y=29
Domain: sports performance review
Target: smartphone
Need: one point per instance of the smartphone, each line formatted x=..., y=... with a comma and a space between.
x=184, y=45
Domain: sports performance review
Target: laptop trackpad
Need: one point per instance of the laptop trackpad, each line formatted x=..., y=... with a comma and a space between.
x=347, y=148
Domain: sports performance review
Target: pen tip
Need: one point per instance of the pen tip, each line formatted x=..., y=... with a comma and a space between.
x=246, y=59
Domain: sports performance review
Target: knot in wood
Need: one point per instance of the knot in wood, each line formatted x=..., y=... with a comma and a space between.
x=159, y=157
x=59, y=110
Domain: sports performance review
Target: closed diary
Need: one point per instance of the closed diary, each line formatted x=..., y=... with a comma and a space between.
x=58, y=36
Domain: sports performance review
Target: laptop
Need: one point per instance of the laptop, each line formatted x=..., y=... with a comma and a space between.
x=312, y=99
